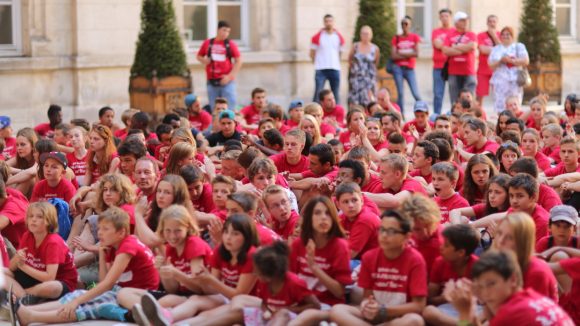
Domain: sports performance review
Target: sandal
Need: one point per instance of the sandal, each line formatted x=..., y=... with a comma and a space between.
x=13, y=305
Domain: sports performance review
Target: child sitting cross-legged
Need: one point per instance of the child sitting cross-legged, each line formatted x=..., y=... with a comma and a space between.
x=455, y=262
x=123, y=262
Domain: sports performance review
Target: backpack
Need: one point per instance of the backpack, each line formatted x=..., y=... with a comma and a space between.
x=226, y=45
x=62, y=213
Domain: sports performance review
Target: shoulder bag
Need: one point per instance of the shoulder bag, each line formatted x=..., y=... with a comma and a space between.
x=445, y=70
x=523, y=78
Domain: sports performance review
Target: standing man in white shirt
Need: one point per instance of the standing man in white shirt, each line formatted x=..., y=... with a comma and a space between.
x=325, y=49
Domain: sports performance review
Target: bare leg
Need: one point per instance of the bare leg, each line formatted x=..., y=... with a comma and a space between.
x=27, y=316
x=9, y=281
x=51, y=290
x=407, y=320
x=229, y=314
x=128, y=297
x=434, y=316
x=347, y=315
x=310, y=317
x=172, y=300
x=195, y=305
x=564, y=280
x=280, y=318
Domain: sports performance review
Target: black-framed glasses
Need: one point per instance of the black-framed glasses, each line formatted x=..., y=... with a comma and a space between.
x=390, y=231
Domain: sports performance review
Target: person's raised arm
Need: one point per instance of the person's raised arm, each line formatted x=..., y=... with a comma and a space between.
x=456, y=215
x=488, y=220
x=142, y=230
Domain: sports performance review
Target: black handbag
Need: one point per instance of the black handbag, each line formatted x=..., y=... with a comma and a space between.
x=445, y=70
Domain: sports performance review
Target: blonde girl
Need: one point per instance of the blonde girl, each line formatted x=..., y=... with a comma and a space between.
x=77, y=160
x=100, y=158
x=180, y=155
x=310, y=125
x=531, y=148
x=537, y=111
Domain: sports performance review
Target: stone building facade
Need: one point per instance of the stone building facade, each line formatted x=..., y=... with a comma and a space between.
x=78, y=53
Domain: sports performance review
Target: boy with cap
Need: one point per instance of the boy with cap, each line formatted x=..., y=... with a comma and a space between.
x=6, y=134
x=53, y=183
x=227, y=131
x=421, y=122
x=296, y=112
x=562, y=226
x=198, y=118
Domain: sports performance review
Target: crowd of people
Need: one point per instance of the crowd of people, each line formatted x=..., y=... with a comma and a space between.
x=315, y=215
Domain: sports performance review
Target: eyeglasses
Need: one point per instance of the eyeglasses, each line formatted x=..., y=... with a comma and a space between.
x=390, y=232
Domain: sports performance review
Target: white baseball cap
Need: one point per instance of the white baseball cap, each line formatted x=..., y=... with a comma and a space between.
x=459, y=16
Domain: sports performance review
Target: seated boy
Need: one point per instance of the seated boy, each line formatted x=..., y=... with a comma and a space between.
x=291, y=159
x=130, y=151
x=455, y=262
x=245, y=202
x=123, y=262
x=396, y=186
x=53, y=183
x=547, y=196
x=425, y=155
x=46, y=130
x=445, y=176
x=353, y=171
x=279, y=211
x=393, y=277
x=360, y=223
x=498, y=280
x=569, y=156
x=552, y=135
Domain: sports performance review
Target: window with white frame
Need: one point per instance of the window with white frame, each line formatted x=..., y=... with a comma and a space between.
x=9, y=27
x=420, y=13
x=565, y=17
x=200, y=18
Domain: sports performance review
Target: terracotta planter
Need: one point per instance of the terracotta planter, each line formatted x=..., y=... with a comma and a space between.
x=546, y=78
x=159, y=96
x=386, y=80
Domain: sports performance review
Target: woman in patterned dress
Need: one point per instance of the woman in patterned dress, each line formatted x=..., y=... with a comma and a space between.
x=363, y=59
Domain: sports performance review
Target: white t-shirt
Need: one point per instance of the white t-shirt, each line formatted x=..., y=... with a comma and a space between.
x=328, y=52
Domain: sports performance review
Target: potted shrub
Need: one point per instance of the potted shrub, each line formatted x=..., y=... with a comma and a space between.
x=540, y=36
x=378, y=14
x=160, y=77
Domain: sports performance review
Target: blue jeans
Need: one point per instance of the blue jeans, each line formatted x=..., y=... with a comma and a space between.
x=227, y=91
x=438, y=90
x=400, y=74
x=333, y=77
x=457, y=83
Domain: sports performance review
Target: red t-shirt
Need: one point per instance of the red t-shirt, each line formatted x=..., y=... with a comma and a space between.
x=417, y=173
x=370, y=205
x=337, y=113
x=459, y=184
x=14, y=208
x=410, y=185
x=221, y=65
x=205, y=201
x=121, y=133
x=394, y=282
x=571, y=301
x=230, y=274
x=44, y=129
x=429, y=248
x=141, y=272
x=4, y=253
x=288, y=229
x=374, y=183
x=344, y=138
x=483, y=68
x=489, y=146
x=559, y=169
x=531, y=309
x=282, y=164
x=194, y=248
x=532, y=123
x=52, y=250
x=331, y=175
x=406, y=44
x=479, y=210
x=326, y=129
x=292, y=293
x=548, y=197
x=200, y=121
x=333, y=259
x=362, y=231
x=9, y=148
x=420, y=130
x=446, y=205
x=222, y=214
x=463, y=64
x=78, y=165
x=543, y=161
x=382, y=145
x=539, y=276
x=443, y=270
x=541, y=218
x=542, y=244
x=251, y=114
x=439, y=58
x=63, y=190
x=266, y=235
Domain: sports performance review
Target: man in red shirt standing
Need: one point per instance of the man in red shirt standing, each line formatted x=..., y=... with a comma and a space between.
x=198, y=117
x=253, y=112
x=486, y=41
x=216, y=55
x=460, y=46
x=438, y=37
x=333, y=113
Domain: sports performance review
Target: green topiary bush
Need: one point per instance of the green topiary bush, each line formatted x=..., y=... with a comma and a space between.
x=538, y=32
x=378, y=14
x=159, y=47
